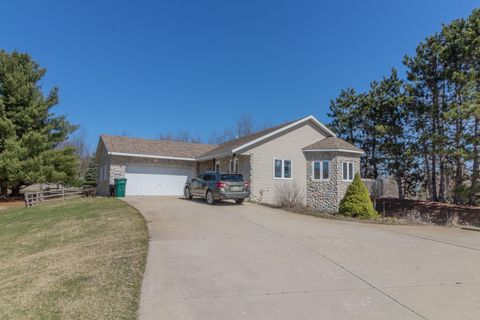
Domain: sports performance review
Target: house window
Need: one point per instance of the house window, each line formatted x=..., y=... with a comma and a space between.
x=217, y=166
x=100, y=174
x=282, y=169
x=321, y=170
x=105, y=172
x=234, y=166
x=348, y=171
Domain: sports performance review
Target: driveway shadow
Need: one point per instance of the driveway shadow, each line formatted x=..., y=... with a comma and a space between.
x=221, y=203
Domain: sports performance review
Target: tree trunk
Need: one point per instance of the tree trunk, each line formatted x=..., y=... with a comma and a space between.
x=434, y=139
x=15, y=191
x=352, y=136
x=3, y=190
x=475, y=168
x=441, y=191
x=458, y=157
x=434, y=196
x=374, y=157
x=428, y=176
x=401, y=194
x=364, y=164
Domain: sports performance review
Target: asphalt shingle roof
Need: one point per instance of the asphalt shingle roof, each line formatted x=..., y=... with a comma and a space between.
x=177, y=149
x=154, y=147
x=332, y=143
x=232, y=144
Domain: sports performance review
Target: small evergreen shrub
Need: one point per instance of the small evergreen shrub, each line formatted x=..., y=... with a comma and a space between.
x=356, y=202
x=91, y=176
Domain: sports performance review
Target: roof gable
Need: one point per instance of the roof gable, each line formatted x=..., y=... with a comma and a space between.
x=237, y=145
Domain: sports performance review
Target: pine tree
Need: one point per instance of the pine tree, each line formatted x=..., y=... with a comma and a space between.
x=472, y=101
x=426, y=128
x=345, y=112
x=30, y=133
x=91, y=174
x=426, y=73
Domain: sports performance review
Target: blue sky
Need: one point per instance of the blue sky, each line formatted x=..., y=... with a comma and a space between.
x=145, y=67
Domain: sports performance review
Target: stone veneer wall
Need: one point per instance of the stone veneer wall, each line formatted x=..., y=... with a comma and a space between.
x=325, y=195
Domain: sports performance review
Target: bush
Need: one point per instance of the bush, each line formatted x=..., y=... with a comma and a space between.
x=288, y=195
x=356, y=202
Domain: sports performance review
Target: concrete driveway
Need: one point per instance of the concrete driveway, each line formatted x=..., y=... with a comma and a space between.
x=231, y=262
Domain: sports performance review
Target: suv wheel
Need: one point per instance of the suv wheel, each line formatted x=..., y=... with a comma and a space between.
x=209, y=197
x=239, y=201
x=187, y=194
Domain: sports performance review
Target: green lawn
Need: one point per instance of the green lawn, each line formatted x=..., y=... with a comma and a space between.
x=82, y=259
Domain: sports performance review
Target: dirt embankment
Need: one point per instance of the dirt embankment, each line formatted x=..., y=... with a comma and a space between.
x=11, y=203
x=429, y=211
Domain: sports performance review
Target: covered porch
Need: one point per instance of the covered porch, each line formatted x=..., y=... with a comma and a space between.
x=228, y=164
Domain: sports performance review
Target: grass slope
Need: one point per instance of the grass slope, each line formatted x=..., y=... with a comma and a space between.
x=82, y=259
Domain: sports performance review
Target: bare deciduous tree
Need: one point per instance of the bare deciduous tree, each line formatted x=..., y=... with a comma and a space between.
x=78, y=140
x=180, y=136
x=244, y=126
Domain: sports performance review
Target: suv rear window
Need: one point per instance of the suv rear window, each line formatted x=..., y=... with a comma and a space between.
x=231, y=177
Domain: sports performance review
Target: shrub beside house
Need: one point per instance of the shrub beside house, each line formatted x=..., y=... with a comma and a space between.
x=356, y=202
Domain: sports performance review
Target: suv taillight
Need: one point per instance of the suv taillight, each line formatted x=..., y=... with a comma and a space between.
x=221, y=184
x=246, y=185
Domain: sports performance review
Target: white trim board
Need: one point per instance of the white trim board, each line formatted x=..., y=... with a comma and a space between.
x=218, y=155
x=334, y=150
x=149, y=156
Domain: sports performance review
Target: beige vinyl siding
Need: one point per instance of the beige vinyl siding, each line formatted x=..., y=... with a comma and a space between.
x=286, y=146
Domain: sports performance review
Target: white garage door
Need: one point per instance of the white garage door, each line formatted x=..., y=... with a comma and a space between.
x=156, y=180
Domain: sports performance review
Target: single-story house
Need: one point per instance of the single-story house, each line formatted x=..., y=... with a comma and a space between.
x=304, y=153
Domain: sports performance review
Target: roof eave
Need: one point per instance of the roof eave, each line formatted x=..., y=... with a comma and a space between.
x=335, y=150
x=150, y=156
x=100, y=144
x=213, y=156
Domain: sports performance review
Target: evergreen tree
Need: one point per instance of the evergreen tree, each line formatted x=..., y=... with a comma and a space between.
x=427, y=127
x=345, y=112
x=426, y=73
x=472, y=101
x=30, y=133
x=91, y=174
x=356, y=202
x=393, y=125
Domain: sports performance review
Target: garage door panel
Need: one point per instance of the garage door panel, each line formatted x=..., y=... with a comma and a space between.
x=156, y=180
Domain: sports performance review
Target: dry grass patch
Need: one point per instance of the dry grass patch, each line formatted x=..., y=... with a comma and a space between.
x=83, y=259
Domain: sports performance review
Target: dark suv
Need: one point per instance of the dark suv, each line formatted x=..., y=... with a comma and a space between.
x=216, y=186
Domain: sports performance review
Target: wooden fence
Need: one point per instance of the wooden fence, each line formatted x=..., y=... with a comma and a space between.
x=36, y=197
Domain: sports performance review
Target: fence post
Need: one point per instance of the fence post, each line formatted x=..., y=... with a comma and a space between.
x=63, y=193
